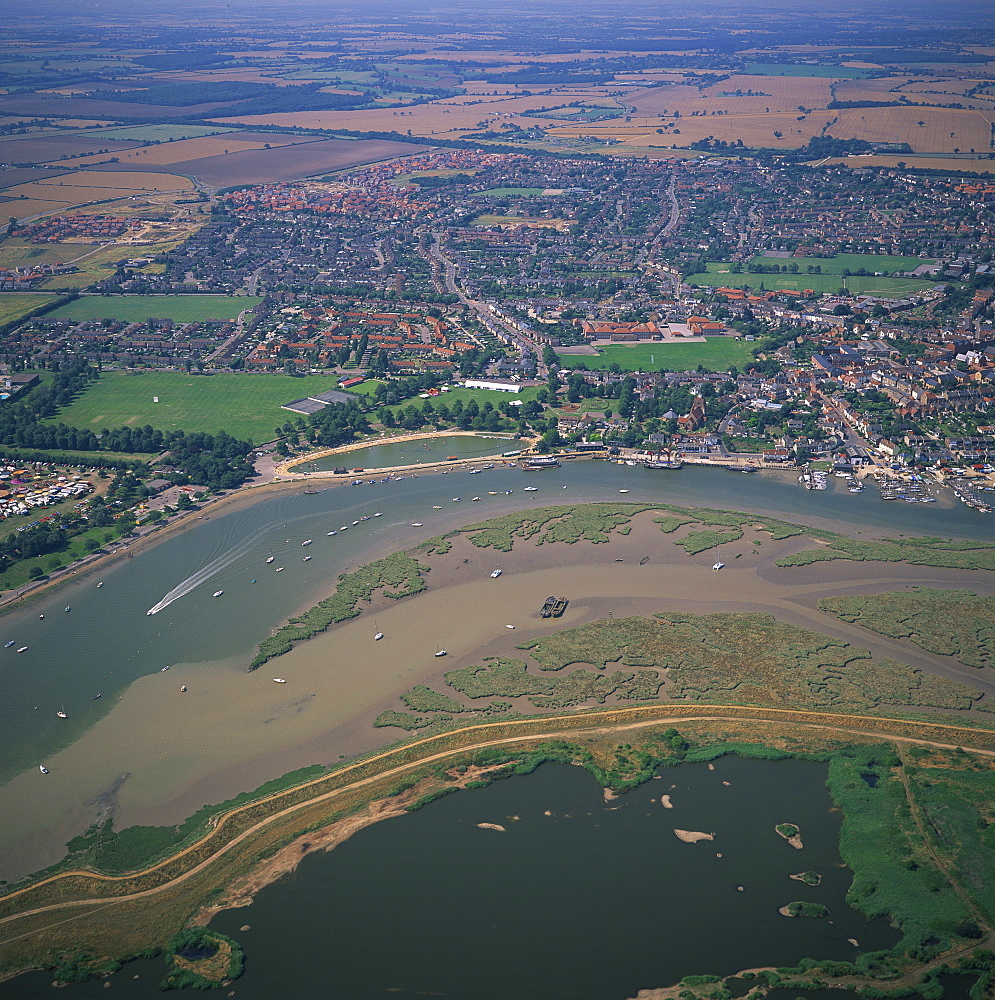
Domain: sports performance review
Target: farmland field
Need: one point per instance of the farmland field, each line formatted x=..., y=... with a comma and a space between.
x=13, y=305
x=719, y=274
x=944, y=130
x=246, y=406
x=161, y=133
x=188, y=149
x=793, y=69
x=716, y=354
x=138, y=308
x=262, y=166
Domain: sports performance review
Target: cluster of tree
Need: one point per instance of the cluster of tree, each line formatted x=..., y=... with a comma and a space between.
x=179, y=95
x=219, y=461
x=337, y=424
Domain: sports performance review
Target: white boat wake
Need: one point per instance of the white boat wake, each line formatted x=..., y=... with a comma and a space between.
x=202, y=575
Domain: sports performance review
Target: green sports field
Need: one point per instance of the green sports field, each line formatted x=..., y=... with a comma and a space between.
x=886, y=263
x=716, y=354
x=246, y=406
x=719, y=275
x=139, y=308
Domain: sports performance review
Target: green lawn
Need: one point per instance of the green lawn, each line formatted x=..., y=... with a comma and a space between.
x=138, y=308
x=719, y=274
x=716, y=355
x=851, y=262
x=246, y=406
x=14, y=305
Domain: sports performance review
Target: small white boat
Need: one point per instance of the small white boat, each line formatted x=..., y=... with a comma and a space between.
x=718, y=566
x=379, y=513
x=416, y=524
x=279, y=680
x=305, y=559
x=218, y=593
x=440, y=652
x=306, y=542
x=183, y=689
x=68, y=608
x=62, y=713
x=99, y=585
x=164, y=669
x=41, y=616
x=330, y=533
x=474, y=499
x=457, y=499
x=345, y=527
x=365, y=517
x=270, y=559
x=509, y=626
x=7, y=645
x=43, y=769
x=22, y=649
x=530, y=489
x=378, y=636
x=435, y=506
x=623, y=491
x=354, y=523
x=495, y=574
x=279, y=569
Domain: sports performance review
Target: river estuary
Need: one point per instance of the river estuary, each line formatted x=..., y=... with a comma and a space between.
x=145, y=752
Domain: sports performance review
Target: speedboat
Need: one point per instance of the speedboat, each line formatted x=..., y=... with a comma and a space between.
x=440, y=652
x=474, y=499
x=623, y=491
x=96, y=696
x=62, y=713
x=8, y=644
x=41, y=616
x=354, y=523
x=306, y=542
x=68, y=608
x=99, y=585
x=270, y=559
x=509, y=626
x=378, y=636
x=457, y=499
x=279, y=569
x=218, y=593
x=530, y=489
x=22, y=649
x=718, y=566
x=164, y=669
x=345, y=527
x=416, y=524
x=495, y=574
x=43, y=769
x=436, y=506
x=305, y=559
x=279, y=680
x=330, y=533
x=379, y=513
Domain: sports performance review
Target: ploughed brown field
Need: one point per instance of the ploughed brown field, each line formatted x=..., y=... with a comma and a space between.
x=262, y=166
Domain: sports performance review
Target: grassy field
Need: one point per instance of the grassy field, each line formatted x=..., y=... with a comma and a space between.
x=719, y=274
x=16, y=304
x=138, y=308
x=851, y=262
x=716, y=354
x=246, y=406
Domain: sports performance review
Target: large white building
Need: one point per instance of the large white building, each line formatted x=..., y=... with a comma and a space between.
x=498, y=384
